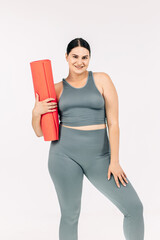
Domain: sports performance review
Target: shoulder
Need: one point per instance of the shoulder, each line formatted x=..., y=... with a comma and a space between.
x=58, y=85
x=58, y=89
x=102, y=76
x=106, y=83
x=104, y=80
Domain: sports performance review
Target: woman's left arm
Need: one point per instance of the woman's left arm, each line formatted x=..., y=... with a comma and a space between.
x=112, y=117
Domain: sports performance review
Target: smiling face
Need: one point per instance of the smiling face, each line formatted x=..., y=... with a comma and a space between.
x=78, y=59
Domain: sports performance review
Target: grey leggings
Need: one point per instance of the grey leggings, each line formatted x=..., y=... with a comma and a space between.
x=87, y=152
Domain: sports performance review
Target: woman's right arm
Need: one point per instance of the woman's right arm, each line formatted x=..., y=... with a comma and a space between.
x=40, y=108
x=36, y=118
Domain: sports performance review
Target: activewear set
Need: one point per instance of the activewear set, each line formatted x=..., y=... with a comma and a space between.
x=87, y=152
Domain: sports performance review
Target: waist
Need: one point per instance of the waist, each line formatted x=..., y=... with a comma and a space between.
x=78, y=121
x=95, y=142
x=88, y=127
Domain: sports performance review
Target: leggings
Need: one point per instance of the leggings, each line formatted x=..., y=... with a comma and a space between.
x=87, y=152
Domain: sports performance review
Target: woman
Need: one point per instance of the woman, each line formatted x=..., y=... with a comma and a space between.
x=87, y=101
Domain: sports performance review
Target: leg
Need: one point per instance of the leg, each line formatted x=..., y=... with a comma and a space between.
x=67, y=176
x=125, y=198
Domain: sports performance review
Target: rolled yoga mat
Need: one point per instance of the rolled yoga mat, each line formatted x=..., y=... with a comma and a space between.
x=43, y=84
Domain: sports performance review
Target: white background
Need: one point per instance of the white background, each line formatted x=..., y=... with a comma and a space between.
x=124, y=38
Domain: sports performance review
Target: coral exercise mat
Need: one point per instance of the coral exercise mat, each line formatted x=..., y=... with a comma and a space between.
x=43, y=84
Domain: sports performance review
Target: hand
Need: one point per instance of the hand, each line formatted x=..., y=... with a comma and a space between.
x=117, y=171
x=44, y=106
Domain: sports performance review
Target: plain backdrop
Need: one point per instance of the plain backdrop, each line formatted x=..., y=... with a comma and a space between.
x=124, y=38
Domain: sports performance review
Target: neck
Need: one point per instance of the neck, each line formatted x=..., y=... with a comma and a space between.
x=74, y=77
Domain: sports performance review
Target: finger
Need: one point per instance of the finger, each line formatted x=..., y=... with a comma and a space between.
x=49, y=99
x=124, y=174
x=124, y=177
x=52, y=107
x=117, y=182
x=109, y=174
x=37, y=97
x=51, y=110
x=52, y=103
x=120, y=177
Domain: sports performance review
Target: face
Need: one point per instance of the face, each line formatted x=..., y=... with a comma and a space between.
x=78, y=59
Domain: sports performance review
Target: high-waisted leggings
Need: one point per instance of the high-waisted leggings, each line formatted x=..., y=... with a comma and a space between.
x=87, y=152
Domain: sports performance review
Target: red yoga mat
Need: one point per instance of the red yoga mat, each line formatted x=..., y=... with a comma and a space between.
x=43, y=84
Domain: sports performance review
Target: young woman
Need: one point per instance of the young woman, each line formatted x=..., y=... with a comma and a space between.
x=87, y=104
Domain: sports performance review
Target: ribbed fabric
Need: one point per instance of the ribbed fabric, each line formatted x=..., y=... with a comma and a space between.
x=87, y=153
x=81, y=106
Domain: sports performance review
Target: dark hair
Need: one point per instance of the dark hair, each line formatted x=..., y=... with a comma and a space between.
x=78, y=42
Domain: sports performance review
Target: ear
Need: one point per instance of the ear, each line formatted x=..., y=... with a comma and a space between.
x=66, y=57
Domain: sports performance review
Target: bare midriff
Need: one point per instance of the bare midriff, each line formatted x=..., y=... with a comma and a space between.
x=88, y=127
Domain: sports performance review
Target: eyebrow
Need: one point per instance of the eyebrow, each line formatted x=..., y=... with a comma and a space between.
x=77, y=55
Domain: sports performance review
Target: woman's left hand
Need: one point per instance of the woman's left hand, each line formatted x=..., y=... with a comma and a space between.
x=117, y=172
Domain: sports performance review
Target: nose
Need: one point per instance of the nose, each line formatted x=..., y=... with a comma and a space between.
x=79, y=62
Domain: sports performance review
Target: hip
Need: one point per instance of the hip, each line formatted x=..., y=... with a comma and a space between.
x=80, y=143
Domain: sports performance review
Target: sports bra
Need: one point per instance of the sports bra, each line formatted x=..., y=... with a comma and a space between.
x=81, y=106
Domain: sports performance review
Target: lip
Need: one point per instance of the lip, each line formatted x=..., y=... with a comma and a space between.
x=79, y=67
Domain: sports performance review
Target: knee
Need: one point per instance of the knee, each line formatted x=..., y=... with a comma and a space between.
x=70, y=215
x=137, y=208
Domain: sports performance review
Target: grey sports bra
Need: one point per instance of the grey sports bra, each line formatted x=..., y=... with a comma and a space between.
x=81, y=106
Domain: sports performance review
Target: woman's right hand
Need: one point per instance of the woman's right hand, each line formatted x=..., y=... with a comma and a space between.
x=44, y=106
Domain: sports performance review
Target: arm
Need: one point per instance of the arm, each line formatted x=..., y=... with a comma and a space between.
x=36, y=118
x=111, y=102
x=112, y=111
x=40, y=108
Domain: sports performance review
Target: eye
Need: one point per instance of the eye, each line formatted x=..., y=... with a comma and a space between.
x=82, y=58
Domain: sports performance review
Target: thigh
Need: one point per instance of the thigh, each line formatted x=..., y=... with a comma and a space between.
x=125, y=197
x=67, y=176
